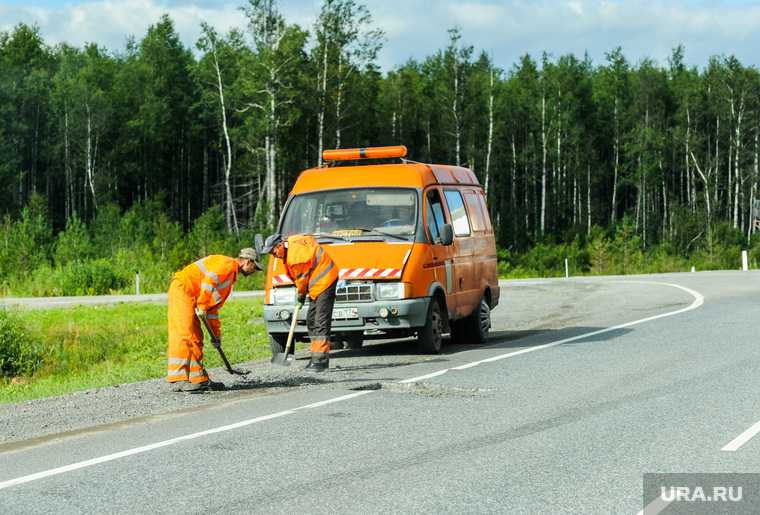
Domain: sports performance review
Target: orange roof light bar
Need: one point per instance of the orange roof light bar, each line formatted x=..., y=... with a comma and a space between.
x=347, y=154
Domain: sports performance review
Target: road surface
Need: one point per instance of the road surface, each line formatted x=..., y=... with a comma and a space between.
x=585, y=385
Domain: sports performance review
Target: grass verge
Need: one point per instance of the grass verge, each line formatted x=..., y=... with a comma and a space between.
x=95, y=346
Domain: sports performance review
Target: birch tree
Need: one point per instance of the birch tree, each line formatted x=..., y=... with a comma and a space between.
x=270, y=86
x=210, y=43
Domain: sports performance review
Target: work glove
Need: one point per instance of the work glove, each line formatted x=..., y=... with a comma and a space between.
x=200, y=313
x=301, y=298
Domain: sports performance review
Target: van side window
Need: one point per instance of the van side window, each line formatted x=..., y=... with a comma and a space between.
x=458, y=213
x=435, y=217
x=476, y=214
x=484, y=209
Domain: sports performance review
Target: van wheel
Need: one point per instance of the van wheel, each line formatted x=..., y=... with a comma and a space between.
x=474, y=328
x=277, y=343
x=336, y=344
x=354, y=342
x=429, y=338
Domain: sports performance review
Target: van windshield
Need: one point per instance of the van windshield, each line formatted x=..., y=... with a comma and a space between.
x=354, y=214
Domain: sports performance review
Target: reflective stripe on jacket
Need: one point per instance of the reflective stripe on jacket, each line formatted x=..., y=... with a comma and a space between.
x=209, y=280
x=309, y=265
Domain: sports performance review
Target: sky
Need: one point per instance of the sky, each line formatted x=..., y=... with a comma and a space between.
x=505, y=29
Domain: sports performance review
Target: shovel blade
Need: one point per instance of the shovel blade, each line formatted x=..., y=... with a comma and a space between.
x=281, y=359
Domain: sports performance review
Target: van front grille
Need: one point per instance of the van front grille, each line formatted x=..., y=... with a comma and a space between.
x=361, y=292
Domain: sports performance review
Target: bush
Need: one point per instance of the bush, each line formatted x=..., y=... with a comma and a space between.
x=18, y=354
x=96, y=277
x=73, y=244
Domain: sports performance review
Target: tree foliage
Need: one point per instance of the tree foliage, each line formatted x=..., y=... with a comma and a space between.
x=126, y=155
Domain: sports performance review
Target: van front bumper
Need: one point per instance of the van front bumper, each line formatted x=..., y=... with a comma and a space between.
x=410, y=315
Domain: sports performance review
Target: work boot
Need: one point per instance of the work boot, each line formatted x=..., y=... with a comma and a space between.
x=205, y=386
x=177, y=386
x=319, y=362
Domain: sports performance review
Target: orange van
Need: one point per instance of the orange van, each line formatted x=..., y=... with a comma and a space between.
x=413, y=242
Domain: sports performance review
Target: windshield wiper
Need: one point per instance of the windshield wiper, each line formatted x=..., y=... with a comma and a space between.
x=318, y=235
x=366, y=229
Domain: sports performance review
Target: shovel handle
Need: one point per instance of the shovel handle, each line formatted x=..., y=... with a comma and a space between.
x=292, y=328
x=219, y=348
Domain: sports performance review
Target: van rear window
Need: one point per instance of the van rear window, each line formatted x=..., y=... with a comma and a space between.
x=476, y=214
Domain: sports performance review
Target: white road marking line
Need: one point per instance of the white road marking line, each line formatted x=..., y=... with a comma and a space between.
x=426, y=376
x=654, y=507
x=698, y=301
x=743, y=438
x=137, y=450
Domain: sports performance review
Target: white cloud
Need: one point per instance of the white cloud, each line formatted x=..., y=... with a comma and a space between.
x=110, y=22
x=506, y=29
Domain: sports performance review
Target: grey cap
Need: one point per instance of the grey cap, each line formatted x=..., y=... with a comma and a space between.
x=250, y=253
x=271, y=242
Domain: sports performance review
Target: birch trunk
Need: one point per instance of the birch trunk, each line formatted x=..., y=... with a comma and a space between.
x=737, y=151
x=455, y=111
x=575, y=200
x=513, y=193
x=706, y=181
x=755, y=171
x=271, y=153
x=490, y=135
x=69, y=208
x=588, y=199
x=686, y=158
x=322, y=107
x=232, y=224
x=543, y=163
x=89, y=158
x=616, y=165
x=338, y=102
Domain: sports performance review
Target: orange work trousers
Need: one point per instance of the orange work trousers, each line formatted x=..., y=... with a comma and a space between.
x=185, y=352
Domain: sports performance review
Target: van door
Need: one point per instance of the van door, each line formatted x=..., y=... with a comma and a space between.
x=462, y=253
x=443, y=266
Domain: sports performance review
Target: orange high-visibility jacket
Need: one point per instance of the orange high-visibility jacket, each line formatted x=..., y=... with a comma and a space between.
x=309, y=266
x=209, y=280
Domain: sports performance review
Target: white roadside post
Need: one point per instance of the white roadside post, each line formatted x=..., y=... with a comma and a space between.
x=567, y=270
x=745, y=261
x=137, y=282
x=693, y=270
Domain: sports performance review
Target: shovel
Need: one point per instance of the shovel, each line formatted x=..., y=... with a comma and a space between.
x=281, y=359
x=227, y=365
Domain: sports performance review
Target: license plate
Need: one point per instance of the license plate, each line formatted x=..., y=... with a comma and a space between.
x=345, y=313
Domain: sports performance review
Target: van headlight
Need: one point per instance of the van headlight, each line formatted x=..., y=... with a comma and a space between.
x=284, y=295
x=391, y=291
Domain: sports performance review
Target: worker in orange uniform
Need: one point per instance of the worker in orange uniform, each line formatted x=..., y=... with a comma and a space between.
x=200, y=289
x=314, y=273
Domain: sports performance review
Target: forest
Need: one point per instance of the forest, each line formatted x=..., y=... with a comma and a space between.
x=143, y=158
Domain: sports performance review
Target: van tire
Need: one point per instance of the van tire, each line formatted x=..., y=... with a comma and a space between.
x=354, y=342
x=475, y=327
x=430, y=337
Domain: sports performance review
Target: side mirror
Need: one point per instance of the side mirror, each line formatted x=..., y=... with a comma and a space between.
x=258, y=243
x=447, y=234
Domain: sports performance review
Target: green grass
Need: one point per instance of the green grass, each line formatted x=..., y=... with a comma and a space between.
x=95, y=346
